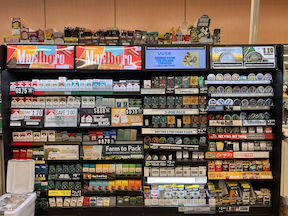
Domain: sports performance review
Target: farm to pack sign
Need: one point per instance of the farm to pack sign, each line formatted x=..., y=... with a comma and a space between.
x=40, y=56
x=108, y=57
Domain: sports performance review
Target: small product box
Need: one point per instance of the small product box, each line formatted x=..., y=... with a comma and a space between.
x=138, y=169
x=186, y=171
x=125, y=169
x=194, y=171
x=163, y=171
x=119, y=169
x=112, y=168
x=179, y=171
x=155, y=171
x=105, y=168
x=131, y=170
x=202, y=171
x=92, y=168
x=99, y=168
x=170, y=171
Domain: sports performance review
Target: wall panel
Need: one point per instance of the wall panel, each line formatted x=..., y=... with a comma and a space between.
x=30, y=10
x=149, y=15
x=93, y=14
x=232, y=17
x=273, y=18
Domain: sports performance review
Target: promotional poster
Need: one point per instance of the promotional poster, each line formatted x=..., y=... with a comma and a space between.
x=108, y=57
x=157, y=58
x=40, y=57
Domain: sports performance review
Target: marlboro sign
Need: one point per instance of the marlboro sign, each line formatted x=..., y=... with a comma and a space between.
x=40, y=57
x=108, y=57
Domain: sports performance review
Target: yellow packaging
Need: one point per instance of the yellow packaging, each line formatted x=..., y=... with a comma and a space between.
x=193, y=80
x=125, y=184
x=99, y=168
x=171, y=119
x=186, y=100
x=194, y=100
x=111, y=185
x=118, y=185
x=186, y=119
x=87, y=149
x=105, y=168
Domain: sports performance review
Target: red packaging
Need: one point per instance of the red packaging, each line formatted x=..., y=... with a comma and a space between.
x=35, y=83
x=86, y=201
x=23, y=153
x=268, y=129
x=27, y=84
x=13, y=85
x=99, y=134
x=23, y=136
x=218, y=166
x=15, y=153
x=20, y=84
x=72, y=135
x=93, y=136
x=211, y=167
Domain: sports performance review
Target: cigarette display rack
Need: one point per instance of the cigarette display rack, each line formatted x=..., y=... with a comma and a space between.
x=151, y=129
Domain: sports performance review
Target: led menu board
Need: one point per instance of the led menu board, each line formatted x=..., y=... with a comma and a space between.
x=175, y=57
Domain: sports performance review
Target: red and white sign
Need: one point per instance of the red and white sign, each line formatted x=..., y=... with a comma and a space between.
x=251, y=136
x=260, y=154
x=227, y=136
x=238, y=155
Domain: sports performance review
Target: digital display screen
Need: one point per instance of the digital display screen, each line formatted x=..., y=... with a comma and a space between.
x=175, y=57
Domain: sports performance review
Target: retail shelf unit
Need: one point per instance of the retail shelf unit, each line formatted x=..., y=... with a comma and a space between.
x=193, y=130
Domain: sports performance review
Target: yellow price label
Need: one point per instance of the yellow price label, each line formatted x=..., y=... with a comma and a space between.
x=70, y=39
x=216, y=175
x=59, y=193
x=40, y=178
x=266, y=175
x=234, y=175
x=39, y=162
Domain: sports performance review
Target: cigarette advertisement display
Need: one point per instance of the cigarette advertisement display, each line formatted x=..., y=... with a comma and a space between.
x=60, y=118
x=175, y=57
x=259, y=56
x=227, y=57
x=108, y=57
x=40, y=57
x=243, y=57
x=120, y=118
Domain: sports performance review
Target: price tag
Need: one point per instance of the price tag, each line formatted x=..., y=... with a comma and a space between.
x=203, y=90
x=24, y=90
x=266, y=175
x=216, y=175
x=234, y=175
x=59, y=193
x=39, y=162
x=202, y=130
x=270, y=122
x=76, y=193
x=203, y=110
x=133, y=111
x=40, y=178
